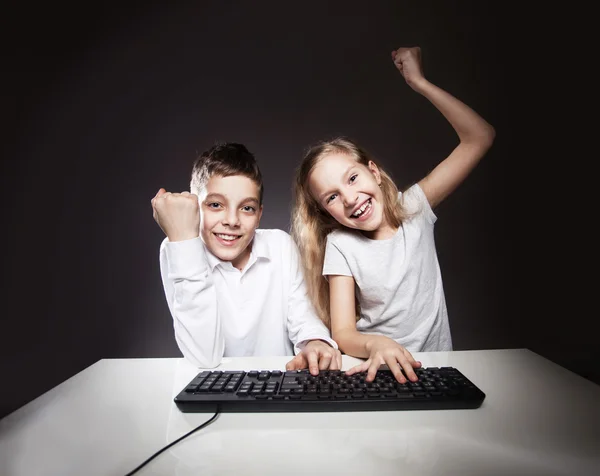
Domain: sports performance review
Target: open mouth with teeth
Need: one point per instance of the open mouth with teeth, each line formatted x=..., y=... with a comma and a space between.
x=226, y=239
x=363, y=211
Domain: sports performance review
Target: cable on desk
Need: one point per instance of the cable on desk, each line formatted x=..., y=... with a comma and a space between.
x=206, y=423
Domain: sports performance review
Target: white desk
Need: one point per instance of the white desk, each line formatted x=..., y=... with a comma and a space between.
x=537, y=419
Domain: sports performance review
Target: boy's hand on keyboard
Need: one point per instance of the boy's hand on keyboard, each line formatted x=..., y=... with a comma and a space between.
x=316, y=355
x=384, y=350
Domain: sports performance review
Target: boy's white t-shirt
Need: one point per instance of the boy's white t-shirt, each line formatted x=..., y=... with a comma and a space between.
x=398, y=280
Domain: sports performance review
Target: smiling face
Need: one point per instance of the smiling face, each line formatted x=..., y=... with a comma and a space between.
x=349, y=191
x=230, y=212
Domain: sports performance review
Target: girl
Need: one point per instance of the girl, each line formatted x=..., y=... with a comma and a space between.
x=368, y=251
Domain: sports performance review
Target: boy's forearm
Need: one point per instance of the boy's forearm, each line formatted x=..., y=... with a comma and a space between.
x=302, y=321
x=197, y=326
x=192, y=301
x=304, y=326
x=199, y=353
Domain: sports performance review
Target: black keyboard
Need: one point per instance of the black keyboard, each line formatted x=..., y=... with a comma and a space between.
x=331, y=391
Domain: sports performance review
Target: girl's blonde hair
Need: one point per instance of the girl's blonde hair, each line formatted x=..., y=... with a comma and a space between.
x=311, y=223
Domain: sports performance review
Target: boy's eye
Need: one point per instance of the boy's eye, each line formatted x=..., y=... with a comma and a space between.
x=331, y=197
x=353, y=177
x=249, y=208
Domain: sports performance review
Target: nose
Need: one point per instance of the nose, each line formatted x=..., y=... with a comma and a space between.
x=348, y=198
x=231, y=218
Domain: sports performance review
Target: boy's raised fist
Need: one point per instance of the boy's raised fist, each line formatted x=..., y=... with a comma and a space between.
x=177, y=214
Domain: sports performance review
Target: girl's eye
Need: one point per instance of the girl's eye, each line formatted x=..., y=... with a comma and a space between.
x=353, y=177
x=213, y=205
x=331, y=197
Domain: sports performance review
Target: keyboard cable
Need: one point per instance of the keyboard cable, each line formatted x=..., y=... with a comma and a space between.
x=205, y=424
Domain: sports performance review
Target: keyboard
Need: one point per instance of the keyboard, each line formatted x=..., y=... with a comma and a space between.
x=440, y=388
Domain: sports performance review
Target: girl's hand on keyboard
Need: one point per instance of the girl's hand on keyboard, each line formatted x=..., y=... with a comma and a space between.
x=383, y=350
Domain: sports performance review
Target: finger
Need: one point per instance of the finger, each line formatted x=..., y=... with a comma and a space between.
x=416, y=364
x=161, y=191
x=359, y=368
x=325, y=360
x=162, y=197
x=336, y=361
x=158, y=194
x=313, y=363
x=394, y=365
x=372, y=370
x=290, y=365
x=409, y=371
x=296, y=363
x=410, y=358
x=412, y=364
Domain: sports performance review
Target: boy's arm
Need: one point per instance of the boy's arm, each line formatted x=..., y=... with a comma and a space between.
x=187, y=279
x=475, y=134
x=192, y=300
x=304, y=326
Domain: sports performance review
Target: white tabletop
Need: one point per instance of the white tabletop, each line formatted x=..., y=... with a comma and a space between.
x=537, y=419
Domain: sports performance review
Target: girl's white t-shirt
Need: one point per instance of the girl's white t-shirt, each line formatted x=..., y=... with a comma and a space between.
x=398, y=280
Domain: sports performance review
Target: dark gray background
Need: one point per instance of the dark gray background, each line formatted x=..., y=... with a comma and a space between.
x=105, y=105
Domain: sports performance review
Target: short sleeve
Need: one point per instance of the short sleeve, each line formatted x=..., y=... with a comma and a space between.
x=414, y=200
x=334, y=262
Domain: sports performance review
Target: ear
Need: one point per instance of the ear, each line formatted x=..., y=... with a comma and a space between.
x=375, y=171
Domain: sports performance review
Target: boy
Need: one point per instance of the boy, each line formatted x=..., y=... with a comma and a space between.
x=233, y=289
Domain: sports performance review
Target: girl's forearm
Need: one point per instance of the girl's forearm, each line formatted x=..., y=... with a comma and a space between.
x=469, y=126
x=355, y=343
